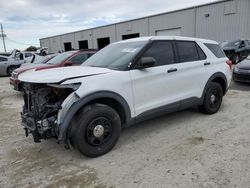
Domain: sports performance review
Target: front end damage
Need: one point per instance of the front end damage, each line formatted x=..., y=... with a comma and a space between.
x=42, y=110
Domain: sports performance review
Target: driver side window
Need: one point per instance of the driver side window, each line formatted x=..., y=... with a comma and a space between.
x=161, y=52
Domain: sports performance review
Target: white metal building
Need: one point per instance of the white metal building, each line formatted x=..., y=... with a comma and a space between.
x=220, y=21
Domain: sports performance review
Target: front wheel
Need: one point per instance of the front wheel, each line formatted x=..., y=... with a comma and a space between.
x=97, y=128
x=212, y=99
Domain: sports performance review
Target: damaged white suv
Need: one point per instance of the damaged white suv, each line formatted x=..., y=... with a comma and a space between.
x=123, y=84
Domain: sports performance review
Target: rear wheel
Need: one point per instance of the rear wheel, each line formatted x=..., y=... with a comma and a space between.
x=96, y=130
x=10, y=69
x=212, y=99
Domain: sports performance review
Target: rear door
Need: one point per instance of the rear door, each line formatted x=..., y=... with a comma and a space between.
x=192, y=68
x=156, y=86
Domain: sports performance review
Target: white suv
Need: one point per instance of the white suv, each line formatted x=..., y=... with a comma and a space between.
x=123, y=84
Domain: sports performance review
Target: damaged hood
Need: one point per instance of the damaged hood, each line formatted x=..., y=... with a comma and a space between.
x=60, y=74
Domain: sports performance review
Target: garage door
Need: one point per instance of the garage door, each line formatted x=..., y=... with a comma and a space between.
x=169, y=32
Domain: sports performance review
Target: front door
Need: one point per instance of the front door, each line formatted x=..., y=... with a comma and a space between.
x=156, y=86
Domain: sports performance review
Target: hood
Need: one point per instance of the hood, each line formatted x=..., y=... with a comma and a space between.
x=56, y=75
x=30, y=66
x=244, y=64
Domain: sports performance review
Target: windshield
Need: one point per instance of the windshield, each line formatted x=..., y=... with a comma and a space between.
x=230, y=43
x=38, y=59
x=115, y=56
x=61, y=57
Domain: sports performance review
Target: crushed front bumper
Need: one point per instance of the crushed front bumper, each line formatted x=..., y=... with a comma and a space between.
x=42, y=129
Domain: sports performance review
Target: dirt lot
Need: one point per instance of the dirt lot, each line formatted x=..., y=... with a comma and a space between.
x=183, y=149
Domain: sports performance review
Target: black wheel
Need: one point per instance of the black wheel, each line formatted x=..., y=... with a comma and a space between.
x=10, y=69
x=95, y=130
x=213, y=99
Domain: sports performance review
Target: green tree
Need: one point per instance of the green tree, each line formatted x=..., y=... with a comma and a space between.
x=31, y=49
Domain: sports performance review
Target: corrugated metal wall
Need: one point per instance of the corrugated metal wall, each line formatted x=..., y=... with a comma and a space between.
x=137, y=26
x=181, y=19
x=224, y=21
x=83, y=35
x=227, y=20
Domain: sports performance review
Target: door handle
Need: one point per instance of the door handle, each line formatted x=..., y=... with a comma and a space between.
x=207, y=63
x=172, y=70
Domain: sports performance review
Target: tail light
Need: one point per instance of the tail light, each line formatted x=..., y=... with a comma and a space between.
x=230, y=64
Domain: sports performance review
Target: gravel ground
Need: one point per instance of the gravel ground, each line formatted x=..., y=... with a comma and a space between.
x=183, y=149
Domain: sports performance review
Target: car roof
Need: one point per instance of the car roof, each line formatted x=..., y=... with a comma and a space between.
x=169, y=38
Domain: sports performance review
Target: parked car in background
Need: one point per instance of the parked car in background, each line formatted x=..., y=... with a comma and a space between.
x=236, y=50
x=43, y=51
x=123, y=84
x=241, y=72
x=37, y=59
x=11, y=61
x=70, y=58
x=9, y=64
x=26, y=56
x=7, y=54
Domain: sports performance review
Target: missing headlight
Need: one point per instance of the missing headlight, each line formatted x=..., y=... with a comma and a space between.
x=74, y=86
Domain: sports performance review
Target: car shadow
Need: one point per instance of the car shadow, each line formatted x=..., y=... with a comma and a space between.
x=157, y=124
x=239, y=86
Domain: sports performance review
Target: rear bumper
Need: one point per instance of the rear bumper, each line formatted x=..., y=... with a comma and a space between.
x=239, y=77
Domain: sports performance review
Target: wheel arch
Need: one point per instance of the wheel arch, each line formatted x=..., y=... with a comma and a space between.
x=10, y=66
x=112, y=99
x=219, y=78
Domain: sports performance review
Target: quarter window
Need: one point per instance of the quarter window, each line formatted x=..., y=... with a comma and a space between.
x=28, y=54
x=187, y=51
x=162, y=52
x=216, y=50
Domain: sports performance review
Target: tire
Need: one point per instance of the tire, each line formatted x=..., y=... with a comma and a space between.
x=95, y=130
x=10, y=69
x=212, y=99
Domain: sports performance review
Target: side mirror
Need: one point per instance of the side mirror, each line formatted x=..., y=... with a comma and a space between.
x=147, y=62
x=68, y=63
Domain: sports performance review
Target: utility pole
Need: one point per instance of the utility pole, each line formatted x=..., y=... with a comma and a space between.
x=3, y=36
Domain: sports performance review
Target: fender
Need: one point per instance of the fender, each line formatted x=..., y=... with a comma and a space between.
x=63, y=127
x=214, y=76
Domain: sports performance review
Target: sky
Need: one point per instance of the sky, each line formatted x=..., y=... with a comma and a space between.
x=26, y=21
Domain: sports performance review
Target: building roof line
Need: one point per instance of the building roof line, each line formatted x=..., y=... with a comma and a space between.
x=145, y=17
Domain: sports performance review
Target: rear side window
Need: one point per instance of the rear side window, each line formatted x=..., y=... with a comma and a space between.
x=3, y=59
x=162, y=52
x=79, y=58
x=189, y=51
x=216, y=49
x=28, y=54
